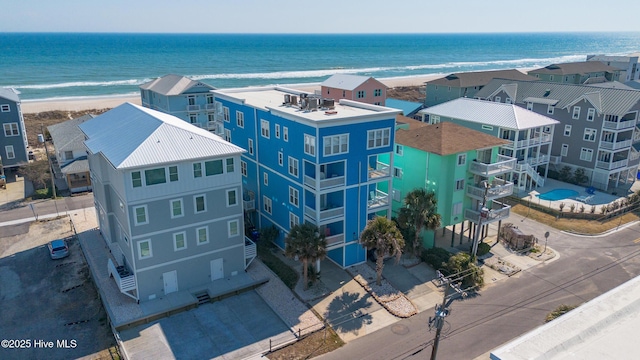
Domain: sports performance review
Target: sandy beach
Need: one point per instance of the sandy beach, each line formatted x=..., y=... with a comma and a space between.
x=29, y=107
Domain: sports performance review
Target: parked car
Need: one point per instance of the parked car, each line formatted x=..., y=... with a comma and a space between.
x=58, y=249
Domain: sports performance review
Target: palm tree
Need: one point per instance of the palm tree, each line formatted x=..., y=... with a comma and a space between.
x=383, y=235
x=419, y=212
x=307, y=244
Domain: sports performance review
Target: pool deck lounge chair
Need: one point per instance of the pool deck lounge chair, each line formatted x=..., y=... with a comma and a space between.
x=585, y=198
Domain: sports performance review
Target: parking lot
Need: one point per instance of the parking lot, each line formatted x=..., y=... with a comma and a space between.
x=50, y=308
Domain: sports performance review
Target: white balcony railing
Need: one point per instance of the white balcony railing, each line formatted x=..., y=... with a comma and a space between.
x=335, y=239
x=612, y=165
x=615, y=125
x=126, y=281
x=210, y=107
x=250, y=251
x=610, y=145
x=324, y=183
x=541, y=139
x=499, y=212
x=192, y=108
x=497, y=190
x=555, y=160
x=324, y=214
x=504, y=164
x=535, y=161
x=381, y=170
x=377, y=199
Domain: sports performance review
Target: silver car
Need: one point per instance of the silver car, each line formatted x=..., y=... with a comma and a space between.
x=58, y=249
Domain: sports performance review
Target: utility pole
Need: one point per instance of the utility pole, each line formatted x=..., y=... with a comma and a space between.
x=483, y=214
x=442, y=310
x=46, y=150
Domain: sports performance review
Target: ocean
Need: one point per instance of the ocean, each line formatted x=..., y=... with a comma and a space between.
x=71, y=65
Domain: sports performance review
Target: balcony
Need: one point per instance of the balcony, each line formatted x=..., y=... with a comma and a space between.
x=125, y=280
x=610, y=145
x=381, y=170
x=536, y=140
x=535, y=161
x=334, y=180
x=504, y=164
x=249, y=201
x=555, y=160
x=325, y=214
x=250, y=251
x=334, y=240
x=377, y=199
x=210, y=107
x=193, y=108
x=618, y=125
x=499, y=189
x=612, y=165
x=498, y=212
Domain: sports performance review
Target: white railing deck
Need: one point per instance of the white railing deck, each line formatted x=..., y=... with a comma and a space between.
x=193, y=107
x=610, y=145
x=381, y=170
x=541, y=139
x=615, y=125
x=324, y=183
x=378, y=199
x=612, y=165
x=494, y=192
x=501, y=213
x=503, y=165
x=125, y=283
x=324, y=214
x=335, y=239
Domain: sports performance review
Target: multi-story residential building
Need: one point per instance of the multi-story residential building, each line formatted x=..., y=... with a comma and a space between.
x=584, y=72
x=189, y=100
x=313, y=160
x=167, y=197
x=598, y=125
x=354, y=87
x=70, y=155
x=466, y=84
x=530, y=135
x=13, y=142
x=628, y=65
x=453, y=161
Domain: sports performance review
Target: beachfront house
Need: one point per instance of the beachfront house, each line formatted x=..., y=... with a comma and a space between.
x=354, y=87
x=312, y=159
x=466, y=84
x=453, y=161
x=13, y=141
x=70, y=163
x=186, y=99
x=167, y=197
x=598, y=129
x=628, y=64
x=529, y=134
x=582, y=72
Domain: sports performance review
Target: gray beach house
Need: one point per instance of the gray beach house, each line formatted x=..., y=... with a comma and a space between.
x=168, y=199
x=13, y=141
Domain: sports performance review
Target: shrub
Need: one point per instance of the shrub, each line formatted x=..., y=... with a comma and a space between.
x=582, y=208
x=288, y=275
x=565, y=174
x=580, y=177
x=435, y=257
x=593, y=209
x=559, y=311
x=572, y=208
x=483, y=249
x=462, y=262
x=561, y=206
x=603, y=209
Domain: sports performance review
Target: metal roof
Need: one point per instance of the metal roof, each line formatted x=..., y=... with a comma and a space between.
x=579, y=67
x=131, y=136
x=9, y=94
x=407, y=107
x=614, y=101
x=66, y=135
x=172, y=85
x=479, y=78
x=490, y=113
x=536, y=100
x=346, y=81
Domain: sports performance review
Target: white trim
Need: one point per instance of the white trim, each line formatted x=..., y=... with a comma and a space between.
x=234, y=190
x=296, y=168
x=464, y=159
x=135, y=215
x=285, y=133
x=459, y=181
x=295, y=195
x=382, y=135
x=310, y=145
x=13, y=129
x=173, y=216
x=5, y=108
x=240, y=119
x=206, y=234
x=10, y=151
x=139, y=243
x=195, y=203
x=229, y=228
x=265, y=128
x=277, y=131
x=267, y=200
x=184, y=239
x=341, y=141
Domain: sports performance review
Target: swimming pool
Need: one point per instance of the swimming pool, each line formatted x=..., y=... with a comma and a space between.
x=558, y=194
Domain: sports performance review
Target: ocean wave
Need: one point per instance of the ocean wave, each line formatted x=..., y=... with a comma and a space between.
x=81, y=84
x=75, y=98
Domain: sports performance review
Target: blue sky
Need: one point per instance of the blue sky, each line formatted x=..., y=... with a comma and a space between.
x=325, y=16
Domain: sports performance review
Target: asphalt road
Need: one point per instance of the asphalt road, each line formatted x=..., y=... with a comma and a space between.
x=41, y=207
x=586, y=268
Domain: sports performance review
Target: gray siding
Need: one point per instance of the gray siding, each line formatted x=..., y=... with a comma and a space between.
x=14, y=115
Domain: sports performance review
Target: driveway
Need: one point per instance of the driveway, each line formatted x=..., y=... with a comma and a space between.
x=233, y=328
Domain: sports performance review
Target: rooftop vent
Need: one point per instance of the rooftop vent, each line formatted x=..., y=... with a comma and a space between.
x=547, y=92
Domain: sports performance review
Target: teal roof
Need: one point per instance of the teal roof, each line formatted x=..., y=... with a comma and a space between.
x=408, y=107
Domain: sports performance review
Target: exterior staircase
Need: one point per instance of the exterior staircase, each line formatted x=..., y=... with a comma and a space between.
x=203, y=298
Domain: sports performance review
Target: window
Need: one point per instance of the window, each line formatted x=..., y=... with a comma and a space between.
x=361, y=94
x=336, y=144
x=309, y=145
x=193, y=118
x=144, y=249
x=567, y=130
x=460, y=184
x=487, y=127
x=546, y=130
x=266, y=204
x=251, y=146
x=197, y=170
x=265, y=178
x=191, y=99
x=497, y=99
x=293, y=166
x=507, y=100
x=140, y=215
x=243, y=168
x=377, y=92
x=179, y=241
x=5, y=108
x=230, y=165
x=209, y=99
x=213, y=167
x=293, y=220
x=396, y=195
x=591, y=114
x=232, y=199
x=155, y=176
x=280, y=158
x=225, y=113
x=399, y=149
x=11, y=129
x=264, y=128
x=590, y=134
x=378, y=138
x=233, y=228
x=227, y=135
x=68, y=155
x=173, y=173
x=456, y=209
x=199, y=204
x=293, y=196
x=529, y=105
x=586, y=154
x=285, y=133
x=434, y=119
x=565, y=150
x=462, y=159
x=136, y=179
x=550, y=77
x=176, y=208
x=202, y=234
x=576, y=112
x=397, y=173
x=550, y=109
x=277, y=131
x=240, y=119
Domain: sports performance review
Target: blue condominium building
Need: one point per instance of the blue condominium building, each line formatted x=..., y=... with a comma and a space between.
x=311, y=159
